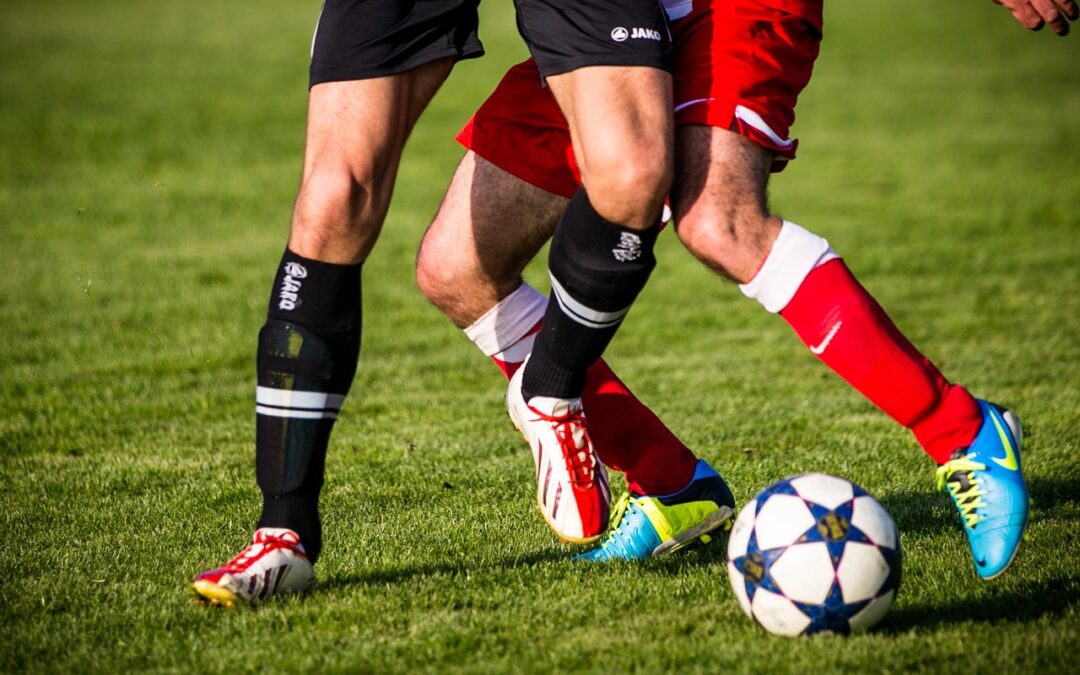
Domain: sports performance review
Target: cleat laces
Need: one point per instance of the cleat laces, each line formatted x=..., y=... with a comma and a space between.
x=617, y=522
x=616, y=515
x=256, y=550
x=569, y=431
x=244, y=558
x=958, y=475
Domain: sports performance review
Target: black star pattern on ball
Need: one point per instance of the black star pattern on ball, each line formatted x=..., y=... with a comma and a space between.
x=834, y=528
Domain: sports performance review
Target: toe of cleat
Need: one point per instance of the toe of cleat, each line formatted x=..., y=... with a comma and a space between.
x=209, y=592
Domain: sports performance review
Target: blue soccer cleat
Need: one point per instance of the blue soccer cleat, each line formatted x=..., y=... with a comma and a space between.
x=643, y=526
x=987, y=487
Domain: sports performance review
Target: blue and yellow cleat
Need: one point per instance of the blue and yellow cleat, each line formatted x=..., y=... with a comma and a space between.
x=643, y=526
x=987, y=487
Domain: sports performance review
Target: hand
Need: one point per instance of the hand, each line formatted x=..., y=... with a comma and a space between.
x=1034, y=14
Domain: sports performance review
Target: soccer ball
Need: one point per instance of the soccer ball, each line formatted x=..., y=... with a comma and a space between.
x=814, y=553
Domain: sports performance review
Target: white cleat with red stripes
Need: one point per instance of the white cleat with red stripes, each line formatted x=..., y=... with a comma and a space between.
x=274, y=564
x=571, y=484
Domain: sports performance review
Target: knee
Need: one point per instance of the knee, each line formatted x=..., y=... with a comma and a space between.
x=436, y=276
x=629, y=187
x=446, y=276
x=337, y=216
x=732, y=241
x=707, y=235
x=330, y=198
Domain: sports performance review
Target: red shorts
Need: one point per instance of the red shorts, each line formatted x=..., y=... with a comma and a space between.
x=739, y=65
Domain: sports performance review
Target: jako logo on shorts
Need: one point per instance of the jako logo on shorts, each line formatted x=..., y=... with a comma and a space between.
x=645, y=34
x=620, y=34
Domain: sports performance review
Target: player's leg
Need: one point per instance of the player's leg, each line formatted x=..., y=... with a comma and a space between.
x=795, y=273
x=601, y=253
x=615, y=93
x=494, y=218
x=310, y=344
x=489, y=226
x=311, y=340
x=362, y=107
x=650, y=521
x=722, y=218
x=719, y=200
x=612, y=85
x=740, y=66
x=356, y=132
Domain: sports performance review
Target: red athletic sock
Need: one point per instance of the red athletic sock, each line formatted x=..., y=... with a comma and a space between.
x=628, y=437
x=845, y=327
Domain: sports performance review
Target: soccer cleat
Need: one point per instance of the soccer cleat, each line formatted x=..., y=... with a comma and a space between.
x=644, y=526
x=571, y=484
x=987, y=487
x=274, y=564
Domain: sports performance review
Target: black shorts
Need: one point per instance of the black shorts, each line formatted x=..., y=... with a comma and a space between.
x=359, y=39
x=564, y=35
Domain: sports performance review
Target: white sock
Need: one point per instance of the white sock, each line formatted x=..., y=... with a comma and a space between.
x=795, y=253
x=505, y=332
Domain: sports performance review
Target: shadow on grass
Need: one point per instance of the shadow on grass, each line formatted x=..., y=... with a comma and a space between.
x=1049, y=493
x=1032, y=600
x=920, y=511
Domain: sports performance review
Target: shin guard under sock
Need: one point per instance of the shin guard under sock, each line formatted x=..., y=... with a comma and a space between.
x=597, y=270
x=308, y=352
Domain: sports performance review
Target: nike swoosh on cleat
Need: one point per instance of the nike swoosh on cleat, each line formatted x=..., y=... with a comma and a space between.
x=981, y=562
x=1009, y=460
x=818, y=350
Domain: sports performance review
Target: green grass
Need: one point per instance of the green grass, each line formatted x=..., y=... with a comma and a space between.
x=149, y=154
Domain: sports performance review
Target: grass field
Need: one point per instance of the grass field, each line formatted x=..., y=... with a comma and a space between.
x=149, y=154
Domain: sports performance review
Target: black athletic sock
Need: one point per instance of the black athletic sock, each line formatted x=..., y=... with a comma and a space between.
x=308, y=351
x=597, y=270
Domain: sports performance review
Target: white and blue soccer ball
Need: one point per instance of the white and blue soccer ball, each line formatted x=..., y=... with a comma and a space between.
x=814, y=553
